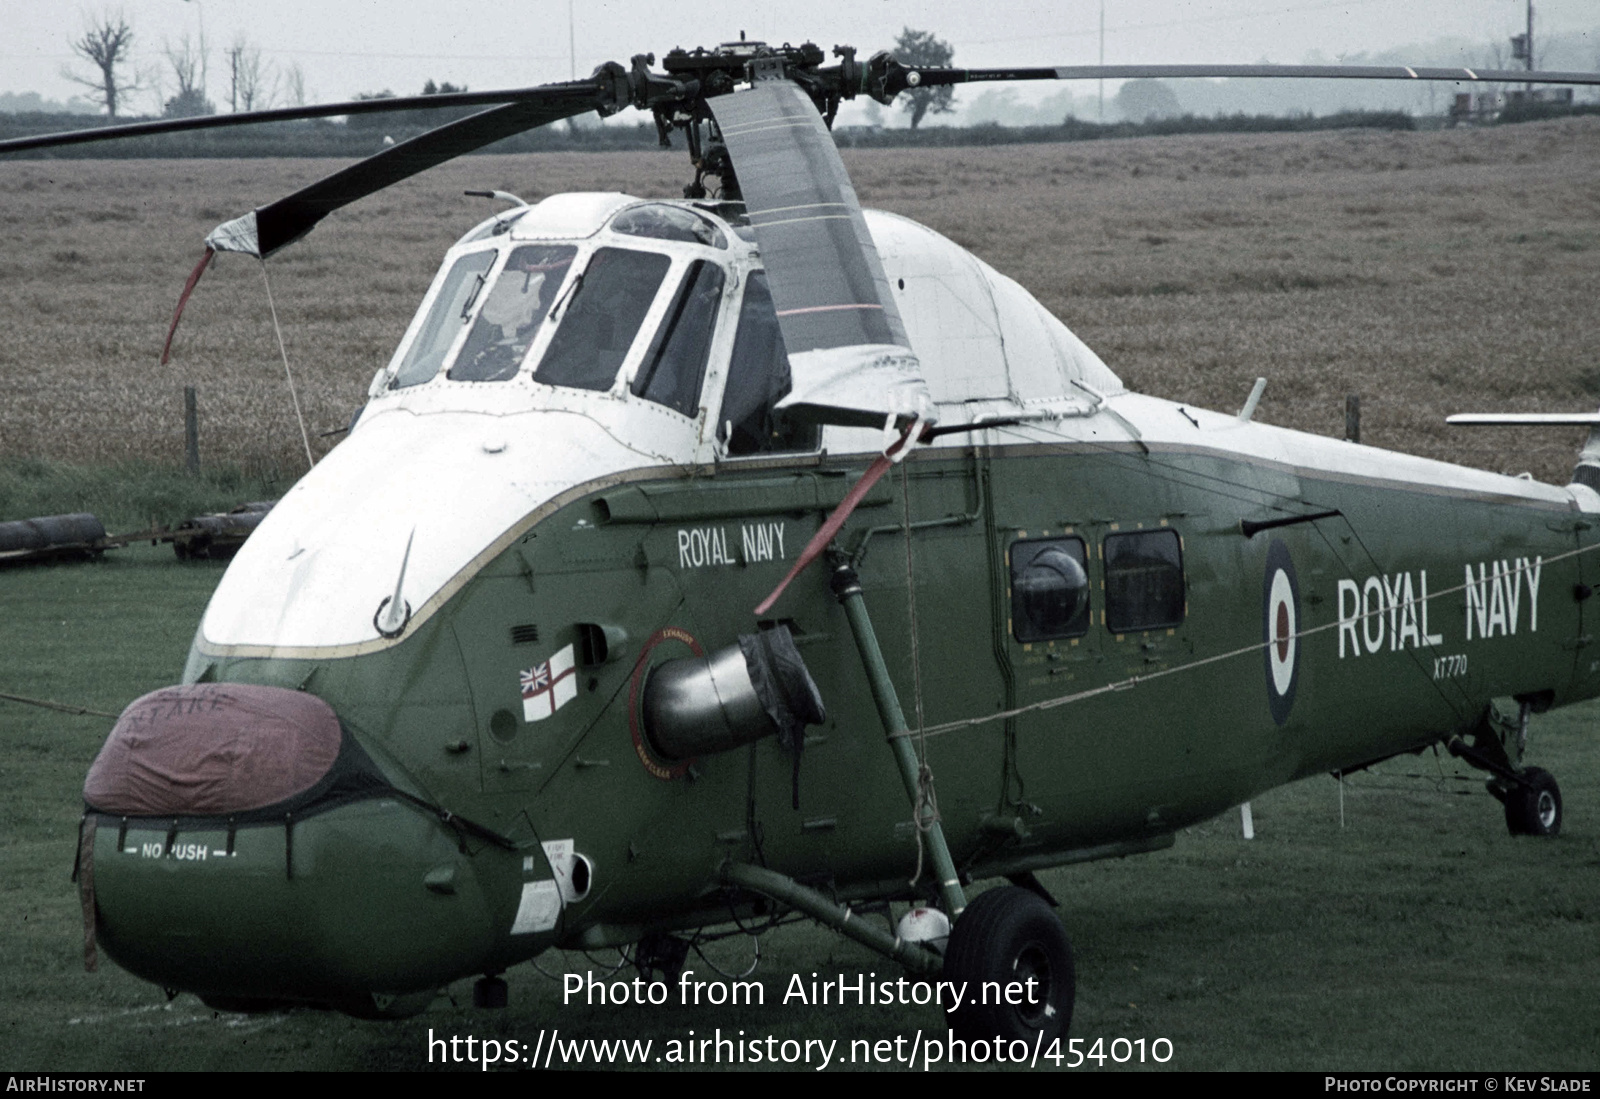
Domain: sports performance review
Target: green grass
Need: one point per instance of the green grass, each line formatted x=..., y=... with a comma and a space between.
x=125, y=497
x=1417, y=936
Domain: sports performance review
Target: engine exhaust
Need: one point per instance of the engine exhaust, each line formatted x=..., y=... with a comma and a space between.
x=697, y=706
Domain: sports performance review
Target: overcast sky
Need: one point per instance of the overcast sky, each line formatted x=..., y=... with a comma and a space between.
x=350, y=46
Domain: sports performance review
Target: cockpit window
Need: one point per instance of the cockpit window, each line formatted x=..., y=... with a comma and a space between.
x=444, y=322
x=663, y=222
x=676, y=362
x=758, y=377
x=512, y=313
x=599, y=315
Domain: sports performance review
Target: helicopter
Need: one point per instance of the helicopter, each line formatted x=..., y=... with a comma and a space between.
x=627, y=468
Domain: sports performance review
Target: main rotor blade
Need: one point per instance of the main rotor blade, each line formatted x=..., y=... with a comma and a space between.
x=849, y=359
x=1524, y=419
x=292, y=114
x=915, y=78
x=270, y=227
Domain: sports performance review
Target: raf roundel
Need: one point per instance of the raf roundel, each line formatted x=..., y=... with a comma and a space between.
x=1280, y=627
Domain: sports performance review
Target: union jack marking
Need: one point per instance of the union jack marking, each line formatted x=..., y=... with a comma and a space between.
x=549, y=686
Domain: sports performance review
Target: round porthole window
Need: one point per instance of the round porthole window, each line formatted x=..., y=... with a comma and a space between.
x=1052, y=593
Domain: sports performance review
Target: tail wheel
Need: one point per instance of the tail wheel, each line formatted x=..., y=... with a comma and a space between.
x=1010, y=945
x=1534, y=808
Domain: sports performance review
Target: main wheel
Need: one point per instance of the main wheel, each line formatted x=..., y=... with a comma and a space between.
x=1006, y=945
x=1534, y=809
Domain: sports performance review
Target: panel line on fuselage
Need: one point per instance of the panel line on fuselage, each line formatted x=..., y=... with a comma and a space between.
x=1189, y=478
x=1140, y=459
x=1316, y=473
x=1130, y=682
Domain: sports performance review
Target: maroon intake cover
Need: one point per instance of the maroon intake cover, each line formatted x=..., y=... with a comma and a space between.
x=209, y=749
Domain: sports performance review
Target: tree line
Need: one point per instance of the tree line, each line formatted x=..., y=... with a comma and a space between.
x=106, y=48
x=107, y=71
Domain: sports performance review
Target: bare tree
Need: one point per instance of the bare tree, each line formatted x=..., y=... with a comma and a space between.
x=251, y=84
x=188, y=64
x=294, y=85
x=106, y=44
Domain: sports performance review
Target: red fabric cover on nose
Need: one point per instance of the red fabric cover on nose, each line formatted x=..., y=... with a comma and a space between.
x=212, y=748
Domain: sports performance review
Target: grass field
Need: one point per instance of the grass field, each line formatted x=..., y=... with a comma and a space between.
x=1418, y=935
x=1429, y=273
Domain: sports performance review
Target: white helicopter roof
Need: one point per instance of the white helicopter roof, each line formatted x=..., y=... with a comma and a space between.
x=570, y=216
x=978, y=334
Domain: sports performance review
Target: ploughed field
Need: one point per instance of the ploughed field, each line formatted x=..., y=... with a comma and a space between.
x=1429, y=273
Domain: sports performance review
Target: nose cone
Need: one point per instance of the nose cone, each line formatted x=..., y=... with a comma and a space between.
x=247, y=847
x=217, y=750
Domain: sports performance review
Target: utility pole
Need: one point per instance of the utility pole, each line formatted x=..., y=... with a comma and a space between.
x=1103, y=59
x=1530, y=45
x=1522, y=46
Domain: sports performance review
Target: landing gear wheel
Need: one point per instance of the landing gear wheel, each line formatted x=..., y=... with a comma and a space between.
x=1010, y=935
x=1534, y=809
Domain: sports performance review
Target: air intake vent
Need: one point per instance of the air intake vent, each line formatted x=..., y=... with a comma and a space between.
x=524, y=635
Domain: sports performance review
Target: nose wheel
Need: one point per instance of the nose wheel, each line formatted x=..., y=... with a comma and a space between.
x=1533, y=807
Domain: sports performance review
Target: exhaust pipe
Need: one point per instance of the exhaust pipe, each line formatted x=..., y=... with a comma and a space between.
x=697, y=706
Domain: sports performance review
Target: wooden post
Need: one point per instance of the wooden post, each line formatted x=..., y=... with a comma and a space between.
x=1352, y=418
x=191, y=431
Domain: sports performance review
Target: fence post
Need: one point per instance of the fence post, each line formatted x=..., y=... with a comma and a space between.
x=191, y=431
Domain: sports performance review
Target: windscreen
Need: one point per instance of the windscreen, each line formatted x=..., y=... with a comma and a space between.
x=445, y=319
x=599, y=316
x=676, y=362
x=512, y=312
x=758, y=378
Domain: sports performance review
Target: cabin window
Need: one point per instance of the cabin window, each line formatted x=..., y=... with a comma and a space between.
x=662, y=222
x=1144, y=580
x=451, y=309
x=674, y=366
x=512, y=312
x=1049, y=589
x=758, y=378
x=599, y=314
